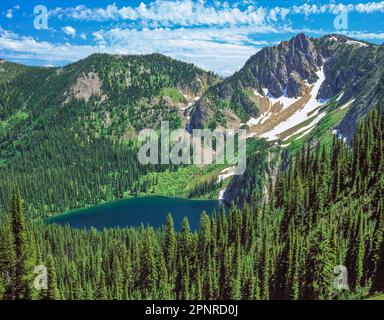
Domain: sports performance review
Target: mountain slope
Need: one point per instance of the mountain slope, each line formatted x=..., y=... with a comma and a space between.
x=120, y=92
x=285, y=90
x=67, y=135
x=114, y=96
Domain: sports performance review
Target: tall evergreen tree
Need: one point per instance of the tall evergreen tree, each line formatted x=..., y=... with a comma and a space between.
x=24, y=252
x=148, y=272
x=170, y=245
x=320, y=266
x=52, y=291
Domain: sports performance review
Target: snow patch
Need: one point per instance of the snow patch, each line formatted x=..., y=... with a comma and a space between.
x=308, y=128
x=253, y=121
x=304, y=134
x=340, y=96
x=259, y=120
x=284, y=99
x=357, y=43
x=301, y=115
x=347, y=104
x=285, y=145
x=226, y=173
x=257, y=94
x=222, y=194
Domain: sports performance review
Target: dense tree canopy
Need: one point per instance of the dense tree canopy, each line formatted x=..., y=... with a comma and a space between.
x=326, y=211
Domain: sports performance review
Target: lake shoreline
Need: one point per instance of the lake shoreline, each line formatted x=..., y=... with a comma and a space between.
x=130, y=198
x=132, y=212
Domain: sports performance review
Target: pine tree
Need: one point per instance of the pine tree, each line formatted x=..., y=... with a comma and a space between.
x=2, y=287
x=378, y=253
x=52, y=291
x=320, y=266
x=256, y=287
x=360, y=252
x=118, y=279
x=236, y=274
x=101, y=291
x=148, y=272
x=225, y=276
x=265, y=269
x=24, y=252
x=199, y=285
x=170, y=245
x=204, y=235
x=186, y=280
x=7, y=257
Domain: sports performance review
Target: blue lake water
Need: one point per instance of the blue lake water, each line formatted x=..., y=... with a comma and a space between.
x=134, y=212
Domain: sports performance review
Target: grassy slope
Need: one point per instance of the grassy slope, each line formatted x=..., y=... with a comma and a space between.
x=181, y=183
x=323, y=130
x=174, y=94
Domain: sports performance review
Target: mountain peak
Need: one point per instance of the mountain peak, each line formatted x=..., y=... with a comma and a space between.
x=301, y=37
x=297, y=41
x=279, y=81
x=273, y=66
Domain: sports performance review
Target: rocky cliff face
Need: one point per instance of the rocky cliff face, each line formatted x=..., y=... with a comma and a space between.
x=281, y=69
x=296, y=86
x=356, y=71
x=352, y=70
x=297, y=59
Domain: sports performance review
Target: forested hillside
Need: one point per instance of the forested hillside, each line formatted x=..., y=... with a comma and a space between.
x=68, y=135
x=309, y=201
x=327, y=210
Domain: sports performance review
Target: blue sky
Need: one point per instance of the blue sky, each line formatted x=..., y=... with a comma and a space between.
x=216, y=35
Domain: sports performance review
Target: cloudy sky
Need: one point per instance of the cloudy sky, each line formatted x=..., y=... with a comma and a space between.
x=216, y=35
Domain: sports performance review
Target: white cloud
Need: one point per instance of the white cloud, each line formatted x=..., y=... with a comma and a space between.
x=9, y=14
x=69, y=31
x=222, y=51
x=364, y=35
x=306, y=9
x=164, y=13
x=186, y=13
x=217, y=37
x=370, y=7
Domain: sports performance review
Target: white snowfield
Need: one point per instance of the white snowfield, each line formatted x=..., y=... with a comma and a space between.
x=301, y=115
x=284, y=99
x=188, y=108
x=255, y=121
x=356, y=43
x=350, y=42
x=308, y=128
x=347, y=104
x=222, y=194
x=226, y=173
